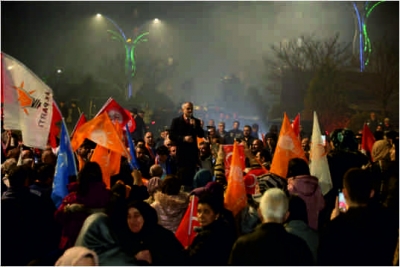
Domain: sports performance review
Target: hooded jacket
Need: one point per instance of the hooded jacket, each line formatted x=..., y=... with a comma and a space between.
x=73, y=217
x=307, y=188
x=170, y=209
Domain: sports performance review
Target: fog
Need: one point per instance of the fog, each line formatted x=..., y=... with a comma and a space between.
x=207, y=40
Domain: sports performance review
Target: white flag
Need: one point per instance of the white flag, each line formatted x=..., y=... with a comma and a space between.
x=319, y=163
x=28, y=102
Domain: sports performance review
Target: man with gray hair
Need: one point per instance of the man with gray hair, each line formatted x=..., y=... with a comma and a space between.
x=184, y=132
x=270, y=243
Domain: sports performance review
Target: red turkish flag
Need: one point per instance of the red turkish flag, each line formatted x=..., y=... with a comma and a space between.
x=81, y=121
x=185, y=232
x=367, y=140
x=131, y=123
x=115, y=112
x=228, y=149
x=296, y=125
x=54, y=129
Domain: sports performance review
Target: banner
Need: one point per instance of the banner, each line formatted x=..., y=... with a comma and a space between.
x=28, y=102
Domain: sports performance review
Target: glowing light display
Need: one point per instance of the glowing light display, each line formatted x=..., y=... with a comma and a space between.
x=362, y=13
x=130, y=46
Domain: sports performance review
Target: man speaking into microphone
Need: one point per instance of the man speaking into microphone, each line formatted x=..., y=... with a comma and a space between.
x=184, y=131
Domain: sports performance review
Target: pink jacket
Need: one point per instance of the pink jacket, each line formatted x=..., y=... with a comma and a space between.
x=307, y=188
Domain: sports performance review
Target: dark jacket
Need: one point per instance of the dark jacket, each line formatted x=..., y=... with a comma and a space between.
x=186, y=152
x=72, y=219
x=361, y=236
x=28, y=229
x=211, y=246
x=140, y=128
x=164, y=248
x=270, y=245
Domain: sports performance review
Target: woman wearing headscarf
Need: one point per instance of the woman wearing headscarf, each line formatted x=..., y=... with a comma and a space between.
x=214, y=240
x=97, y=235
x=301, y=183
x=91, y=196
x=78, y=256
x=147, y=241
x=383, y=170
x=201, y=178
x=170, y=203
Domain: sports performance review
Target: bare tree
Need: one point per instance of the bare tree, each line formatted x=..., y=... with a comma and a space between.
x=384, y=63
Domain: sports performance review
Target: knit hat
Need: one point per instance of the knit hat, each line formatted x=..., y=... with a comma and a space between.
x=73, y=255
x=201, y=178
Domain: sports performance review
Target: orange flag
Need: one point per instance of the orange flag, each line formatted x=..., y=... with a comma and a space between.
x=109, y=162
x=101, y=131
x=288, y=147
x=235, y=195
x=199, y=140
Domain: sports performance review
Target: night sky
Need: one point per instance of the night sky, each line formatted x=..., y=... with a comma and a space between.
x=209, y=39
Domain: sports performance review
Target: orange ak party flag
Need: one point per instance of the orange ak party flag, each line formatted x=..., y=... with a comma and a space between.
x=101, y=131
x=235, y=196
x=109, y=161
x=288, y=147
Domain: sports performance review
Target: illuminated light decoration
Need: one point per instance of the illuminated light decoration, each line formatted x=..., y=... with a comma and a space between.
x=361, y=16
x=129, y=45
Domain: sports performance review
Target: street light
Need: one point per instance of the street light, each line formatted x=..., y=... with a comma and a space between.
x=59, y=71
x=130, y=46
x=156, y=20
x=98, y=15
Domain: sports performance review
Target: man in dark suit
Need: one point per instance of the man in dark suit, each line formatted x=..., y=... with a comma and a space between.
x=140, y=125
x=184, y=131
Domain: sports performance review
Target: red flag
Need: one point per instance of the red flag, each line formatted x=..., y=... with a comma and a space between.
x=228, y=149
x=81, y=121
x=54, y=129
x=115, y=112
x=296, y=125
x=185, y=232
x=367, y=140
x=131, y=123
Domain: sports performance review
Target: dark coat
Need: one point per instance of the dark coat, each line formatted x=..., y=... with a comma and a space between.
x=140, y=128
x=72, y=220
x=212, y=245
x=270, y=245
x=186, y=152
x=164, y=248
x=28, y=229
x=364, y=236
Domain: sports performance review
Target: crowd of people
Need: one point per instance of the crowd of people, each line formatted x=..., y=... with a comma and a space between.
x=287, y=220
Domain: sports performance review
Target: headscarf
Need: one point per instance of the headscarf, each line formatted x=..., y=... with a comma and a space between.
x=214, y=188
x=96, y=235
x=73, y=255
x=201, y=178
x=148, y=213
x=381, y=150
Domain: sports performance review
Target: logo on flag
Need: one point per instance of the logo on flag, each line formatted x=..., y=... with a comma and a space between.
x=25, y=99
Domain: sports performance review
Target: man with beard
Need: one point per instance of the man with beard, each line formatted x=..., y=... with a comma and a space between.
x=184, y=131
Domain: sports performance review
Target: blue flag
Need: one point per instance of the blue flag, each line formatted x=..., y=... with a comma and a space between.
x=65, y=167
x=134, y=163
